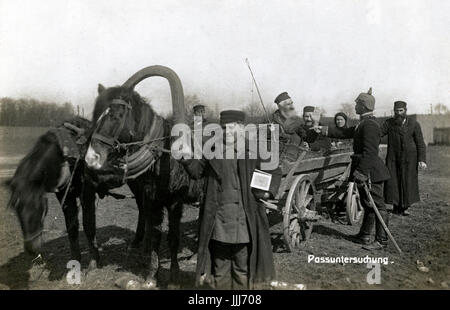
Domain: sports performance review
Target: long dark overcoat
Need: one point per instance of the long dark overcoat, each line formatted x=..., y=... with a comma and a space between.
x=261, y=264
x=366, y=141
x=406, y=148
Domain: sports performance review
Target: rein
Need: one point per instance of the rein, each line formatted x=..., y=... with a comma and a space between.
x=151, y=146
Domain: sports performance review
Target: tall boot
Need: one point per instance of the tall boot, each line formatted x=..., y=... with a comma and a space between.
x=381, y=239
x=366, y=229
x=380, y=233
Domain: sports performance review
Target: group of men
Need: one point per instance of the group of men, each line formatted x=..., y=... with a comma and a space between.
x=234, y=239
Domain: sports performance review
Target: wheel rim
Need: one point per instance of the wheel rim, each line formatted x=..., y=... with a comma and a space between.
x=354, y=208
x=300, y=198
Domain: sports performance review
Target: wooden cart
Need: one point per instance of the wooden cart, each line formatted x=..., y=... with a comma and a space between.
x=308, y=184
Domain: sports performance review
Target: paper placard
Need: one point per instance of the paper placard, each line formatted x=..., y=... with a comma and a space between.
x=261, y=180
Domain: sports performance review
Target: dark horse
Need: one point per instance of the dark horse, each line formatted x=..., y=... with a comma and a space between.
x=55, y=164
x=131, y=141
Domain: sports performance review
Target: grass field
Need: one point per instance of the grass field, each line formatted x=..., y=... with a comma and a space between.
x=423, y=236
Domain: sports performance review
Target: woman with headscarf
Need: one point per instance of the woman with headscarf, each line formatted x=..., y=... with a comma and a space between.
x=341, y=121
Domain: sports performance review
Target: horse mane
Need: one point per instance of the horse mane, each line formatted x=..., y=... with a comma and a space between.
x=142, y=112
x=79, y=122
x=37, y=172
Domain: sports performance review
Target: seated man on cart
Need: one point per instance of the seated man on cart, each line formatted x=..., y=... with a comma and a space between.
x=293, y=135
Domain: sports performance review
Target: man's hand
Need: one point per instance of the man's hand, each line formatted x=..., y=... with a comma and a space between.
x=316, y=116
x=184, y=152
x=422, y=165
x=317, y=129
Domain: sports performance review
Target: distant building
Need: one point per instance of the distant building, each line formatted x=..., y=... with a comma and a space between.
x=431, y=122
x=441, y=136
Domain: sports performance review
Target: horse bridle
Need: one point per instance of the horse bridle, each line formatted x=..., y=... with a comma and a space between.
x=136, y=163
x=112, y=141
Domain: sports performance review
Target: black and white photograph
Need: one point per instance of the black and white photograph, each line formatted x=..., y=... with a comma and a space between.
x=237, y=145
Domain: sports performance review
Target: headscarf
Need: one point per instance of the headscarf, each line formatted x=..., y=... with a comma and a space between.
x=344, y=116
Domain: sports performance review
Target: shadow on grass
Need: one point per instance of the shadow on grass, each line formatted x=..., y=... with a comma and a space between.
x=327, y=231
x=113, y=241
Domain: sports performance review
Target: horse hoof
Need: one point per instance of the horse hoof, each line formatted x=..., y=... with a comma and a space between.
x=149, y=285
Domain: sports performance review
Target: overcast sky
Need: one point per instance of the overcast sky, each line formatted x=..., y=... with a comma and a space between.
x=322, y=53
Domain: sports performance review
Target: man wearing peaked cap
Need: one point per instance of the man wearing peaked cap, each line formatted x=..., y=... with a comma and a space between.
x=405, y=154
x=366, y=167
x=311, y=117
x=320, y=143
x=285, y=110
x=232, y=116
x=234, y=240
x=286, y=117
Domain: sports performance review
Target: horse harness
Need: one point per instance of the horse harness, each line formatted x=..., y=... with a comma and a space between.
x=151, y=147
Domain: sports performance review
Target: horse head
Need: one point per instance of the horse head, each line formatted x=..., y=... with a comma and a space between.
x=122, y=117
x=37, y=173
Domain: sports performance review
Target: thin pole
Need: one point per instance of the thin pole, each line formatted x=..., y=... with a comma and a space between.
x=257, y=89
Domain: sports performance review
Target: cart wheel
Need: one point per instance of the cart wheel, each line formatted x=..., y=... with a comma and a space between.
x=353, y=205
x=300, y=198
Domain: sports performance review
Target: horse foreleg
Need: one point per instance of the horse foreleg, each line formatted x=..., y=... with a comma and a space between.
x=153, y=229
x=70, y=210
x=89, y=225
x=138, y=193
x=175, y=213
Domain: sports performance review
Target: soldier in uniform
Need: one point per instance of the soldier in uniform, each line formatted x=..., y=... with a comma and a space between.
x=234, y=243
x=367, y=168
x=406, y=153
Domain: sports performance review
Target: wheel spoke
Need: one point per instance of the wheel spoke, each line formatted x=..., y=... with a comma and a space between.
x=293, y=241
x=297, y=241
x=303, y=192
x=307, y=187
x=293, y=224
x=308, y=200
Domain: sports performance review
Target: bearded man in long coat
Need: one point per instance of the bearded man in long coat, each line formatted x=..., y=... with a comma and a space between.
x=234, y=242
x=406, y=153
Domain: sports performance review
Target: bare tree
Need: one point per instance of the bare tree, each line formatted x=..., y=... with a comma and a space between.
x=441, y=109
x=31, y=112
x=348, y=109
x=253, y=109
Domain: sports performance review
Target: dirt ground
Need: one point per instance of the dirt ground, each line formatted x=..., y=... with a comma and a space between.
x=423, y=236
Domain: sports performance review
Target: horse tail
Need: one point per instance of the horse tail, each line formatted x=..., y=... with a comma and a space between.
x=38, y=172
